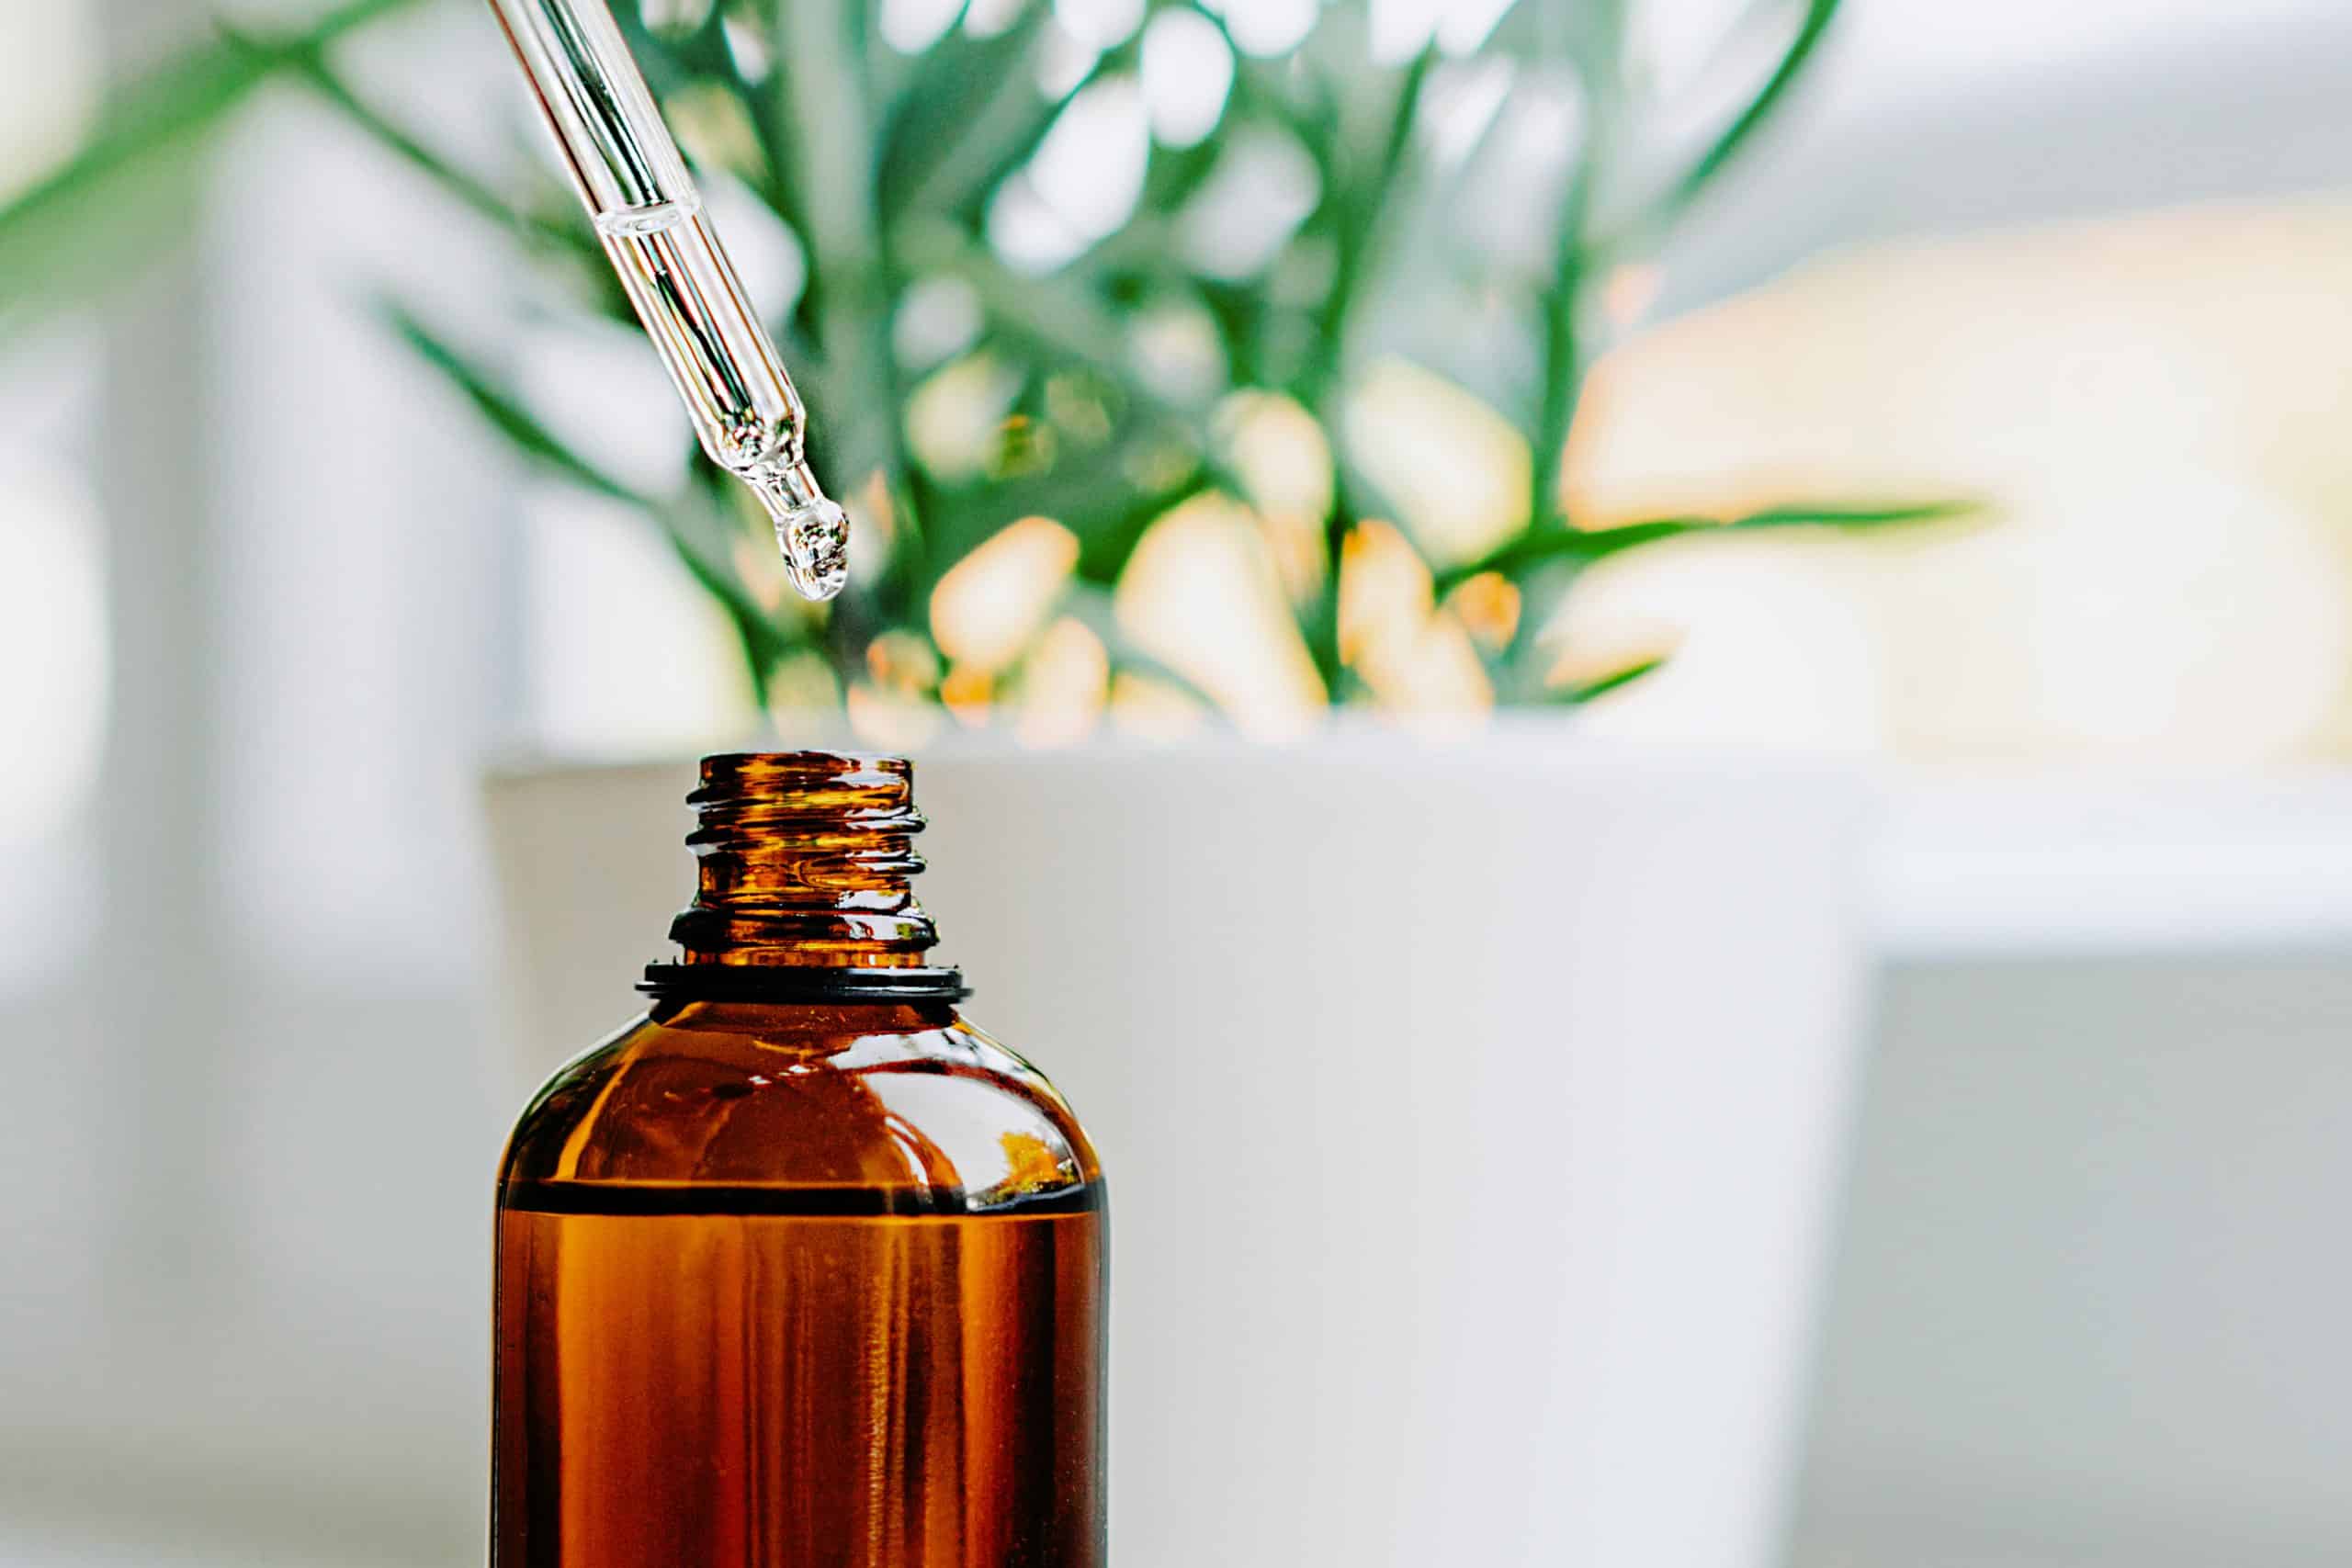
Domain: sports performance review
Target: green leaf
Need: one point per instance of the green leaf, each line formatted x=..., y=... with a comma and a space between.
x=1531, y=550
x=1625, y=676
x=1112, y=524
x=1368, y=174
x=130, y=193
x=1240, y=312
x=504, y=413
x=822, y=92
x=1811, y=29
x=1171, y=176
x=1299, y=102
x=822, y=88
x=965, y=98
x=1849, y=517
x=693, y=535
x=988, y=152
x=1589, y=36
x=676, y=62
x=671, y=60
x=307, y=63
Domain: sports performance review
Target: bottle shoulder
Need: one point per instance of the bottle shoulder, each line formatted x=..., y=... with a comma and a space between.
x=908, y=1100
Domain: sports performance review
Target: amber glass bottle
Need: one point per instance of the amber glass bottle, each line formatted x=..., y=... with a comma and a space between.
x=799, y=1270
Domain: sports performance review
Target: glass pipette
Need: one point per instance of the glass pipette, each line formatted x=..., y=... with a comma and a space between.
x=651, y=219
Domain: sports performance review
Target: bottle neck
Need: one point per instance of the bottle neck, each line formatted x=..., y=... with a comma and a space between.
x=805, y=859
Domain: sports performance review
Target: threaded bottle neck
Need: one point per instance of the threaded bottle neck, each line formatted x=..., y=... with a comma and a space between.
x=804, y=858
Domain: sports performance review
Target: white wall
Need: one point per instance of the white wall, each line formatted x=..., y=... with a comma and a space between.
x=2091, y=1302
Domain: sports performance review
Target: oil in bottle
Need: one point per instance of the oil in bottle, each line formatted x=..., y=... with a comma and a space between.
x=799, y=1270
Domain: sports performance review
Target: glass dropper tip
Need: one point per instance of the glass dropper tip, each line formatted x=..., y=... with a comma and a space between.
x=815, y=549
x=631, y=178
x=812, y=529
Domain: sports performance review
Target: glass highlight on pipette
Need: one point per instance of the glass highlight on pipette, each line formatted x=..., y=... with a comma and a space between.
x=650, y=218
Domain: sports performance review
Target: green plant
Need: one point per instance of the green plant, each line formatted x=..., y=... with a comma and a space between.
x=885, y=165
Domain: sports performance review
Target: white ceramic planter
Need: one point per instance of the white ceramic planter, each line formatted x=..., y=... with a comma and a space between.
x=1472, y=1111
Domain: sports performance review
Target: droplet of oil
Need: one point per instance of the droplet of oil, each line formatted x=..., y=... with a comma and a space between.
x=811, y=531
x=814, y=537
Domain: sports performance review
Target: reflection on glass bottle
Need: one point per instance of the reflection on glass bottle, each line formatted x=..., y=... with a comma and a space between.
x=799, y=1270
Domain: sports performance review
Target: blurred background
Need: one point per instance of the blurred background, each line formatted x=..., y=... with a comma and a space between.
x=274, y=590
